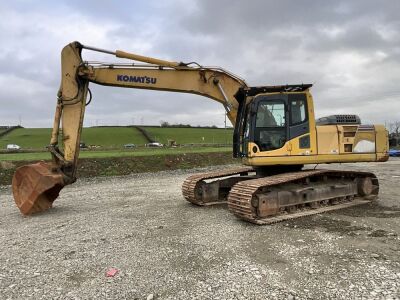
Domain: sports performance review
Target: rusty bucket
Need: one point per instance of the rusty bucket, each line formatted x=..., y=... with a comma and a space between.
x=36, y=186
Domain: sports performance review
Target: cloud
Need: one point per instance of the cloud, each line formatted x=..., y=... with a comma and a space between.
x=350, y=50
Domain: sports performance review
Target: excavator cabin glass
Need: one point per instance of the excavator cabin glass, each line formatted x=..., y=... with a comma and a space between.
x=270, y=123
x=271, y=120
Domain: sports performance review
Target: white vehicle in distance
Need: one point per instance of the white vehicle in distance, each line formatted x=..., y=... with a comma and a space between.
x=154, y=144
x=129, y=146
x=13, y=147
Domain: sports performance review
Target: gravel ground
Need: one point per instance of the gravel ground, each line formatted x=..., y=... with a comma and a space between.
x=166, y=248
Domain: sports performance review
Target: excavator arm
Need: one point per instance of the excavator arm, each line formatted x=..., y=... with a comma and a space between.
x=36, y=186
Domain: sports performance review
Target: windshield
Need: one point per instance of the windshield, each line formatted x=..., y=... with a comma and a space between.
x=270, y=115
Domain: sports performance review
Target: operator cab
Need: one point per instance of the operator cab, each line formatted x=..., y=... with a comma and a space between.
x=274, y=116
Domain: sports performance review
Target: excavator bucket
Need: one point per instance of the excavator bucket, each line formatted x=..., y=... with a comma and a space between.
x=36, y=186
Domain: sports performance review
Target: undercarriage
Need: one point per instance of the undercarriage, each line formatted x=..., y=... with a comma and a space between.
x=260, y=199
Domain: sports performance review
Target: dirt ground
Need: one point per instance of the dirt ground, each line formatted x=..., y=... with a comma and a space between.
x=166, y=248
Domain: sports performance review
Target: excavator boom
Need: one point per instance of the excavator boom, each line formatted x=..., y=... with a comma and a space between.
x=36, y=186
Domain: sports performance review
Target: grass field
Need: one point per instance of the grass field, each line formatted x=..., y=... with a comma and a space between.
x=108, y=137
x=116, y=153
x=116, y=137
x=191, y=135
x=27, y=138
x=112, y=137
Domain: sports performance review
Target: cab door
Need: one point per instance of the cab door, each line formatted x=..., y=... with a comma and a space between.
x=269, y=125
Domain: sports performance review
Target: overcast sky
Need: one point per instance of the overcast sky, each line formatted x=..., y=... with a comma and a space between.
x=349, y=50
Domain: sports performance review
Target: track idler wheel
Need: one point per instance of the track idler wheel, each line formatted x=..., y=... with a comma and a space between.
x=365, y=186
x=36, y=186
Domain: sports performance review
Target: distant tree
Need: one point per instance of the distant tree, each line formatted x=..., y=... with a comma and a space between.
x=164, y=124
x=181, y=125
x=394, y=128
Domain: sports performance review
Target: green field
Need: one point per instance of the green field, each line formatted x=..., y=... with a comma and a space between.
x=115, y=153
x=191, y=135
x=107, y=137
x=27, y=138
x=116, y=137
x=112, y=137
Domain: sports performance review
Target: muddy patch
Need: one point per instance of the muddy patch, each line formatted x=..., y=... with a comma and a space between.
x=328, y=224
x=373, y=210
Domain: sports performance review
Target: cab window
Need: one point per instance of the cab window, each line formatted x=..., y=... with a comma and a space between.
x=297, y=111
x=270, y=129
x=270, y=115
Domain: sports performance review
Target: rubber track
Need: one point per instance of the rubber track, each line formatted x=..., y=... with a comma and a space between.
x=239, y=198
x=191, y=184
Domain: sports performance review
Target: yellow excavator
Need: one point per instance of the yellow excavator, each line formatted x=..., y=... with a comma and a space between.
x=275, y=135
